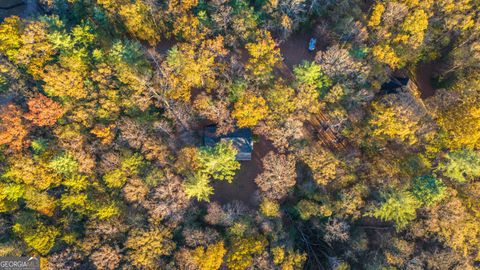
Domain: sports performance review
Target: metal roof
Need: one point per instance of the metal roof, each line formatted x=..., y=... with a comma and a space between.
x=241, y=139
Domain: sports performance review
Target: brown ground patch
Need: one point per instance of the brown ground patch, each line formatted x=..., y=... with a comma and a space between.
x=295, y=49
x=423, y=78
x=243, y=187
x=164, y=45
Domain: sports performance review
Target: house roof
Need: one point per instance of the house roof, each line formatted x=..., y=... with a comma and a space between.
x=241, y=139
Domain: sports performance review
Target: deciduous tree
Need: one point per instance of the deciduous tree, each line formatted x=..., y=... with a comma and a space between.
x=106, y=258
x=189, y=66
x=393, y=122
x=145, y=247
x=461, y=165
x=37, y=235
x=241, y=253
x=140, y=21
x=198, y=186
x=263, y=56
x=399, y=207
x=310, y=74
x=13, y=129
x=209, y=258
x=219, y=162
x=278, y=177
x=43, y=111
x=249, y=109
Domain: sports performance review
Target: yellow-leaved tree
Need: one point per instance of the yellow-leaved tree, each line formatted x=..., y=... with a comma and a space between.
x=139, y=20
x=398, y=31
x=249, y=109
x=394, y=123
x=147, y=246
x=191, y=66
x=209, y=258
x=460, y=118
x=242, y=252
x=264, y=54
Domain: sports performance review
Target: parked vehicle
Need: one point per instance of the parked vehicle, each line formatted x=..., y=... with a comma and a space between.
x=311, y=44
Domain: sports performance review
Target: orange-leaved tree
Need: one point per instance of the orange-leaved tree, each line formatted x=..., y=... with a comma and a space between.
x=43, y=111
x=13, y=129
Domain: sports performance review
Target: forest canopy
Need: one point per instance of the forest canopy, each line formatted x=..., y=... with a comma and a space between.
x=363, y=119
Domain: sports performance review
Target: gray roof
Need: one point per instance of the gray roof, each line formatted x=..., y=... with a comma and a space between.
x=241, y=139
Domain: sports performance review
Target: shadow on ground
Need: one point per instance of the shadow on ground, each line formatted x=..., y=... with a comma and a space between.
x=21, y=8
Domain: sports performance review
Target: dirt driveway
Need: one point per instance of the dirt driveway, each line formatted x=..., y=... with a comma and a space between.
x=295, y=49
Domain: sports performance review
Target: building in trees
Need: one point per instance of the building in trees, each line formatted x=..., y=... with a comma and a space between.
x=241, y=139
x=398, y=113
x=395, y=85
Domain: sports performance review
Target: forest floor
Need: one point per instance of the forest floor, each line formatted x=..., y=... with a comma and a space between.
x=243, y=187
x=423, y=78
x=164, y=45
x=295, y=49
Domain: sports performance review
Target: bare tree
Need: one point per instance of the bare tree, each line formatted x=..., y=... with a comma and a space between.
x=195, y=237
x=278, y=176
x=338, y=64
x=106, y=258
x=168, y=200
x=68, y=259
x=336, y=230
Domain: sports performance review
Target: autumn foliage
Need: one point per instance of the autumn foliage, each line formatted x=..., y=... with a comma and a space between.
x=13, y=128
x=347, y=134
x=43, y=111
